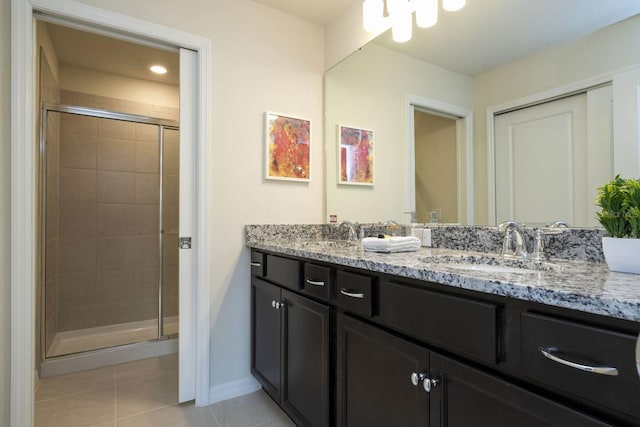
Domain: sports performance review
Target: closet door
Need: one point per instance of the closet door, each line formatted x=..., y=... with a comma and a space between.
x=541, y=163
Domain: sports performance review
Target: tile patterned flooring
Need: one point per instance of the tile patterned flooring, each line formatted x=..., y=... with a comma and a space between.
x=143, y=393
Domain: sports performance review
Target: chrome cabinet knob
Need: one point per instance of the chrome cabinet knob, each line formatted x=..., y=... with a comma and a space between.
x=417, y=378
x=273, y=303
x=428, y=384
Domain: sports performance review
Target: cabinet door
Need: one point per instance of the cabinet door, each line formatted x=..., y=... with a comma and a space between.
x=374, y=378
x=265, y=326
x=465, y=396
x=305, y=391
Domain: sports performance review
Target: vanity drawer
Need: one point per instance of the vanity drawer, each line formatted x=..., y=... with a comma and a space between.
x=317, y=281
x=458, y=324
x=571, y=350
x=354, y=292
x=258, y=263
x=284, y=271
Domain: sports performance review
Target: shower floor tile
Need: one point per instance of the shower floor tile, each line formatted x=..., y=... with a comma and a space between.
x=143, y=393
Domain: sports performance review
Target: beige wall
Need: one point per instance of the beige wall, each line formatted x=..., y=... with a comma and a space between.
x=370, y=91
x=436, y=167
x=592, y=56
x=118, y=88
x=5, y=208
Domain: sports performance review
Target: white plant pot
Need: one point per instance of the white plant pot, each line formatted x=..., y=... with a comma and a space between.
x=622, y=255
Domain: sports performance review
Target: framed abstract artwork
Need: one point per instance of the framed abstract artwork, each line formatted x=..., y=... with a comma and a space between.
x=355, y=155
x=287, y=147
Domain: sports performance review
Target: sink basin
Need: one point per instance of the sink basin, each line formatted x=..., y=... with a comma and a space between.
x=490, y=268
x=322, y=244
x=493, y=264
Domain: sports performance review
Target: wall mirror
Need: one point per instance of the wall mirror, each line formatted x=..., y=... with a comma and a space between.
x=462, y=81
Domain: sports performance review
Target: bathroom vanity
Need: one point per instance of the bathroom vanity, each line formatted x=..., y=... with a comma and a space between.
x=350, y=338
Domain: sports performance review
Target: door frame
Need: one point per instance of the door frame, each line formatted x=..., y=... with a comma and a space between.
x=464, y=151
x=24, y=233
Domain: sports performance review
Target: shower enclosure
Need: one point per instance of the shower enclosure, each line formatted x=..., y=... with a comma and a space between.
x=109, y=218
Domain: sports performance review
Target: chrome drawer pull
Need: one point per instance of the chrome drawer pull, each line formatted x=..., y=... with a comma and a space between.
x=314, y=283
x=348, y=293
x=255, y=264
x=602, y=370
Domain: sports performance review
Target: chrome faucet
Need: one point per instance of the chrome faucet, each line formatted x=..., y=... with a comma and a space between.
x=512, y=232
x=353, y=234
x=538, y=247
x=559, y=224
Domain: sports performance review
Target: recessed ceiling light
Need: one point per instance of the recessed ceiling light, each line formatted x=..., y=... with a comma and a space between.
x=158, y=69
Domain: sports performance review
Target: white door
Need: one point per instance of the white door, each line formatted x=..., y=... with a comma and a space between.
x=186, y=258
x=626, y=87
x=542, y=162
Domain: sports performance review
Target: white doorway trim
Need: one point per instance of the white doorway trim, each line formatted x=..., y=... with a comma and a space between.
x=464, y=149
x=23, y=178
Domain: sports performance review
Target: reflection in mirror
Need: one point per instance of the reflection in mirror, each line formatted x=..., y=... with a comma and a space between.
x=436, y=180
x=375, y=88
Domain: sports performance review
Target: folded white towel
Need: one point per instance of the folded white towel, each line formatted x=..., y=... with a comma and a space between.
x=391, y=244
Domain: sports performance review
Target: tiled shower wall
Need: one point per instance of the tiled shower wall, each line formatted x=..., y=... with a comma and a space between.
x=108, y=216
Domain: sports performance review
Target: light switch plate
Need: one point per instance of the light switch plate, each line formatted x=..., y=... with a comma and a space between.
x=426, y=237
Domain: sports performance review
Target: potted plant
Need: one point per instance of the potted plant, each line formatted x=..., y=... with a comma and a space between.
x=620, y=216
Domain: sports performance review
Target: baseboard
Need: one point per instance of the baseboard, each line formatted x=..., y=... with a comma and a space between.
x=233, y=389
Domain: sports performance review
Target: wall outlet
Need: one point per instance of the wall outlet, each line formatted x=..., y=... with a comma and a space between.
x=426, y=237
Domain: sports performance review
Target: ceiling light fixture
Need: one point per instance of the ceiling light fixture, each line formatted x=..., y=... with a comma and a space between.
x=158, y=69
x=399, y=15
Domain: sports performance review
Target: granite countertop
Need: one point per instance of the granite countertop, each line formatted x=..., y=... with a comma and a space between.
x=585, y=286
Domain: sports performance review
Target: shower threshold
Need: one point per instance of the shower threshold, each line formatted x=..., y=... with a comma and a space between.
x=81, y=340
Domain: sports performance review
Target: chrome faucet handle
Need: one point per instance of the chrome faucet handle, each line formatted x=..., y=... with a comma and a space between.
x=505, y=225
x=559, y=224
x=353, y=234
x=538, y=248
x=521, y=243
x=511, y=229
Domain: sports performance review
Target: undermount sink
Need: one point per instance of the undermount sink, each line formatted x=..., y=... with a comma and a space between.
x=491, y=268
x=493, y=264
x=328, y=243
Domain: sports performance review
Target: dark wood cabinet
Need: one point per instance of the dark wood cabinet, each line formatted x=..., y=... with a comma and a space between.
x=340, y=346
x=291, y=352
x=306, y=359
x=465, y=396
x=266, y=336
x=375, y=371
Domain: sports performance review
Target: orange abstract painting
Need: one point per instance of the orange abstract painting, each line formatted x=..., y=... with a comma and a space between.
x=288, y=147
x=356, y=156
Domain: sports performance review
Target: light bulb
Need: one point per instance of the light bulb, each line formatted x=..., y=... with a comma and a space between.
x=453, y=5
x=426, y=13
x=158, y=69
x=401, y=20
x=372, y=15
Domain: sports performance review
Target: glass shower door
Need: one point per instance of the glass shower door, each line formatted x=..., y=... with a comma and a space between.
x=110, y=230
x=170, y=226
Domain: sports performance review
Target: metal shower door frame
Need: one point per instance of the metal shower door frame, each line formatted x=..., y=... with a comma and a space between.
x=105, y=114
